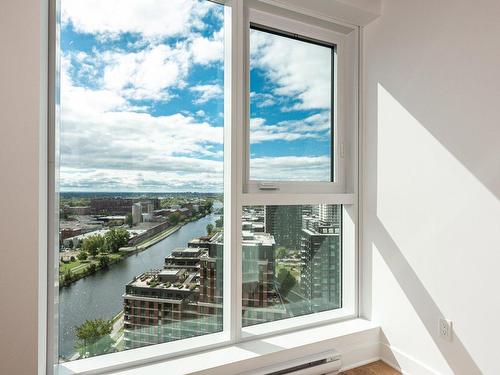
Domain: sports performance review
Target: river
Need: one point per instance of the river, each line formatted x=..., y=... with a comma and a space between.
x=100, y=295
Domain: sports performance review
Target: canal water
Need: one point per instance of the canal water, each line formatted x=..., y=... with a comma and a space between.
x=100, y=295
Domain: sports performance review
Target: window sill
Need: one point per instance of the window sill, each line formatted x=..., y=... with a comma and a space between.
x=356, y=340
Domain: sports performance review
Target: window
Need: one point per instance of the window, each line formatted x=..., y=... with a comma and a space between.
x=291, y=86
x=203, y=177
x=141, y=173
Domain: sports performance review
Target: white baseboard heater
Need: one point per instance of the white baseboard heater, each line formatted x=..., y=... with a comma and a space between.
x=327, y=363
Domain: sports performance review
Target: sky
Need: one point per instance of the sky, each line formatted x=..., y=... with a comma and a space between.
x=142, y=99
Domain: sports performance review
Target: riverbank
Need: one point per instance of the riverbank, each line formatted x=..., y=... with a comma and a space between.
x=151, y=241
x=76, y=270
x=100, y=296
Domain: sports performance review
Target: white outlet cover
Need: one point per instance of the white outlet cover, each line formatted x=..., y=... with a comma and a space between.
x=445, y=329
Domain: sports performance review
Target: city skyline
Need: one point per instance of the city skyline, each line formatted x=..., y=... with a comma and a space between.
x=183, y=297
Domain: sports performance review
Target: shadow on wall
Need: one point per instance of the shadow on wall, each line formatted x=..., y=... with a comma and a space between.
x=455, y=353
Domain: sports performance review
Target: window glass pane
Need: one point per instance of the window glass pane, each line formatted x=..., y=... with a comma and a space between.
x=141, y=173
x=292, y=261
x=290, y=109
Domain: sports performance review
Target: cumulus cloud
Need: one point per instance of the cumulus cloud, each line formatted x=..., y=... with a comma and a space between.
x=150, y=18
x=124, y=180
x=208, y=50
x=207, y=92
x=262, y=100
x=147, y=74
x=150, y=73
x=316, y=126
x=106, y=143
x=299, y=70
x=290, y=168
x=112, y=136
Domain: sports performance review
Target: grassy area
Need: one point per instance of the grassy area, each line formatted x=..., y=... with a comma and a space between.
x=72, y=271
x=64, y=267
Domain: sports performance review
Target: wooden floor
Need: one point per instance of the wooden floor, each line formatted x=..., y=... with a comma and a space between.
x=375, y=368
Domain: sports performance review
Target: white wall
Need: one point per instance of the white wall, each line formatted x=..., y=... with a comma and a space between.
x=20, y=84
x=431, y=245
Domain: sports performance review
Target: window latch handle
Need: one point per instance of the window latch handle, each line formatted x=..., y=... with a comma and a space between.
x=268, y=186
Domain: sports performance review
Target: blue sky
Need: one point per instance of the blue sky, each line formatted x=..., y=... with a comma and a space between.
x=142, y=99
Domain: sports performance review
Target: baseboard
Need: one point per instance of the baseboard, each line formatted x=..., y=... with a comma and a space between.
x=403, y=362
x=359, y=355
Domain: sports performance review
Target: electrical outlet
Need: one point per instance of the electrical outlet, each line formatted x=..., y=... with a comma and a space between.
x=445, y=329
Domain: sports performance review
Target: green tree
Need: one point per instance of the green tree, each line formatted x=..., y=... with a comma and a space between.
x=281, y=253
x=82, y=255
x=93, y=336
x=92, y=268
x=286, y=281
x=208, y=205
x=67, y=276
x=129, y=220
x=219, y=223
x=174, y=218
x=210, y=229
x=103, y=261
x=115, y=223
x=116, y=238
x=93, y=244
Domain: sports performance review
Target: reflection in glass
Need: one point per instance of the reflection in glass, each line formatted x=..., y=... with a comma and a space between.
x=291, y=261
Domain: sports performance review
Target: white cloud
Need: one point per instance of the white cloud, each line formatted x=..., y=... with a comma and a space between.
x=300, y=70
x=150, y=67
x=207, y=92
x=291, y=168
x=125, y=180
x=150, y=73
x=109, y=144
x=146, y=74
x=105, y=143
x=151, y=18
x=208, y=50
x=316, y=126
x=262, y=99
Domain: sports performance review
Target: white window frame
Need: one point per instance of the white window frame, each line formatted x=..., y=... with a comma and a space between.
x=237, y=190
x=343, y=190
x=339, y=107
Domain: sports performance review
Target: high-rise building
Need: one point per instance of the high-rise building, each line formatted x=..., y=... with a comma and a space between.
x=320, y=276
x=285, y=224
x=261, y=301
x=136, y=213
x=330, y=214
